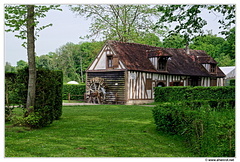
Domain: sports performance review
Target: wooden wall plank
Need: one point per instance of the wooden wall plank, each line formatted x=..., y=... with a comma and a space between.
x=115, y=82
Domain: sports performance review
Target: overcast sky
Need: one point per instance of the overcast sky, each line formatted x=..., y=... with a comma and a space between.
x=67, y=27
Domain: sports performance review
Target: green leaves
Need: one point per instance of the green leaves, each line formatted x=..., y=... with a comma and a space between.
x=222, y=50
x=173, y=94
x=16, y=19
x=73, y=89
x=188, y=21
x=118, y=22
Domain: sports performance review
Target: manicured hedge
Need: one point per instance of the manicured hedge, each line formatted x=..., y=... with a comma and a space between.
x=232, y=82
x=11, y=97
x=209, y=129
x=215, y=105
x=73, y=89
x=58, y=94
x=10, y=81
x=48, y=101
x=171, y=94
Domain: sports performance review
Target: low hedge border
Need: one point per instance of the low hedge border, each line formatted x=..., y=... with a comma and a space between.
x=172, y=94
x=74, y=89
x=207, y=127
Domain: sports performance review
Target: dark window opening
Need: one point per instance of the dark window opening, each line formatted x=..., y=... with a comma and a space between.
x=212, y=68
x=162, y=63
x=109, y=61
x=213, y=82
x=194, y=81
x=176, y=83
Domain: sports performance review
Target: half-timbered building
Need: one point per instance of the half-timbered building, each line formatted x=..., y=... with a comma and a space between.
x=128, y=72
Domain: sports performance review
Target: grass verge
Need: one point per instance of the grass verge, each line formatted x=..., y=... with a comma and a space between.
x=96, y=131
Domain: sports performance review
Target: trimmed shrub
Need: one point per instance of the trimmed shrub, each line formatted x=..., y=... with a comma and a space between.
x=58, y=94
x=213, y=104
x=11, y=97
x=168, y=94
x=74, y=89
x=232, y=82
x=48, y=101
x=209, y=129
x=172, y=94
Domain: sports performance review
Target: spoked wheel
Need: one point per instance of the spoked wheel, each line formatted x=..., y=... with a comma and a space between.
x=95, y=90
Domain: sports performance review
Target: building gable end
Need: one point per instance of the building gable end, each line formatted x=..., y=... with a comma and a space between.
x=106, y=59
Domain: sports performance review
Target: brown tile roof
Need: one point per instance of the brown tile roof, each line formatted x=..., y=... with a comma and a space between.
x=135, y=57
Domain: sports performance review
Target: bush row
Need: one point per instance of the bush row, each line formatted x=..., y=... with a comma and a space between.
x=215, y=105
x=171, y=94
x=11, y=96
x=48, y=101
x=207, y=127
x=74, y=89
x=232, y=82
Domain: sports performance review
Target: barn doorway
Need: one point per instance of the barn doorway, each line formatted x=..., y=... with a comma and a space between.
x=194, y=81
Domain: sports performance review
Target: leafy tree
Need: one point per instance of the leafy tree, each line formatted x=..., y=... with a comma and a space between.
x=228, y=16
x=66, y=63
x=9, y=67
x=222, y=50
x=225, y=60
x=88, y=52
x=24, y=20
x=118, y=22
x=209, y=43
x=46, y=62
x=188, y=21
x=174, y=41
x=74, y=59
x=150, y=39
x=230, y=36
x=21, y=64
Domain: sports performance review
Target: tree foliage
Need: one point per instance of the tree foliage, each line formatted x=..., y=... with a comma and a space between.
x=222, y=50
x=119, y=22
x=209, y=43
x=189, y=22
x=150, y=39
x=72, y=59
x=9, y=67
x=174, y=41
x=16, y=19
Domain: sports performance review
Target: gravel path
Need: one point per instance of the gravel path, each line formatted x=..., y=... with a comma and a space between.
x=75, y=104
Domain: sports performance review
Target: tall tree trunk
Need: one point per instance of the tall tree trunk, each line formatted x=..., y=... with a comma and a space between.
x=31, y=60
x=81, y=67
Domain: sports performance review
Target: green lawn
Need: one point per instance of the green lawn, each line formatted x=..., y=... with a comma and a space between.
x=95, y=131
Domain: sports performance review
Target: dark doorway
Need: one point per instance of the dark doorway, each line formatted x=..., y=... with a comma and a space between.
x=194, y=81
